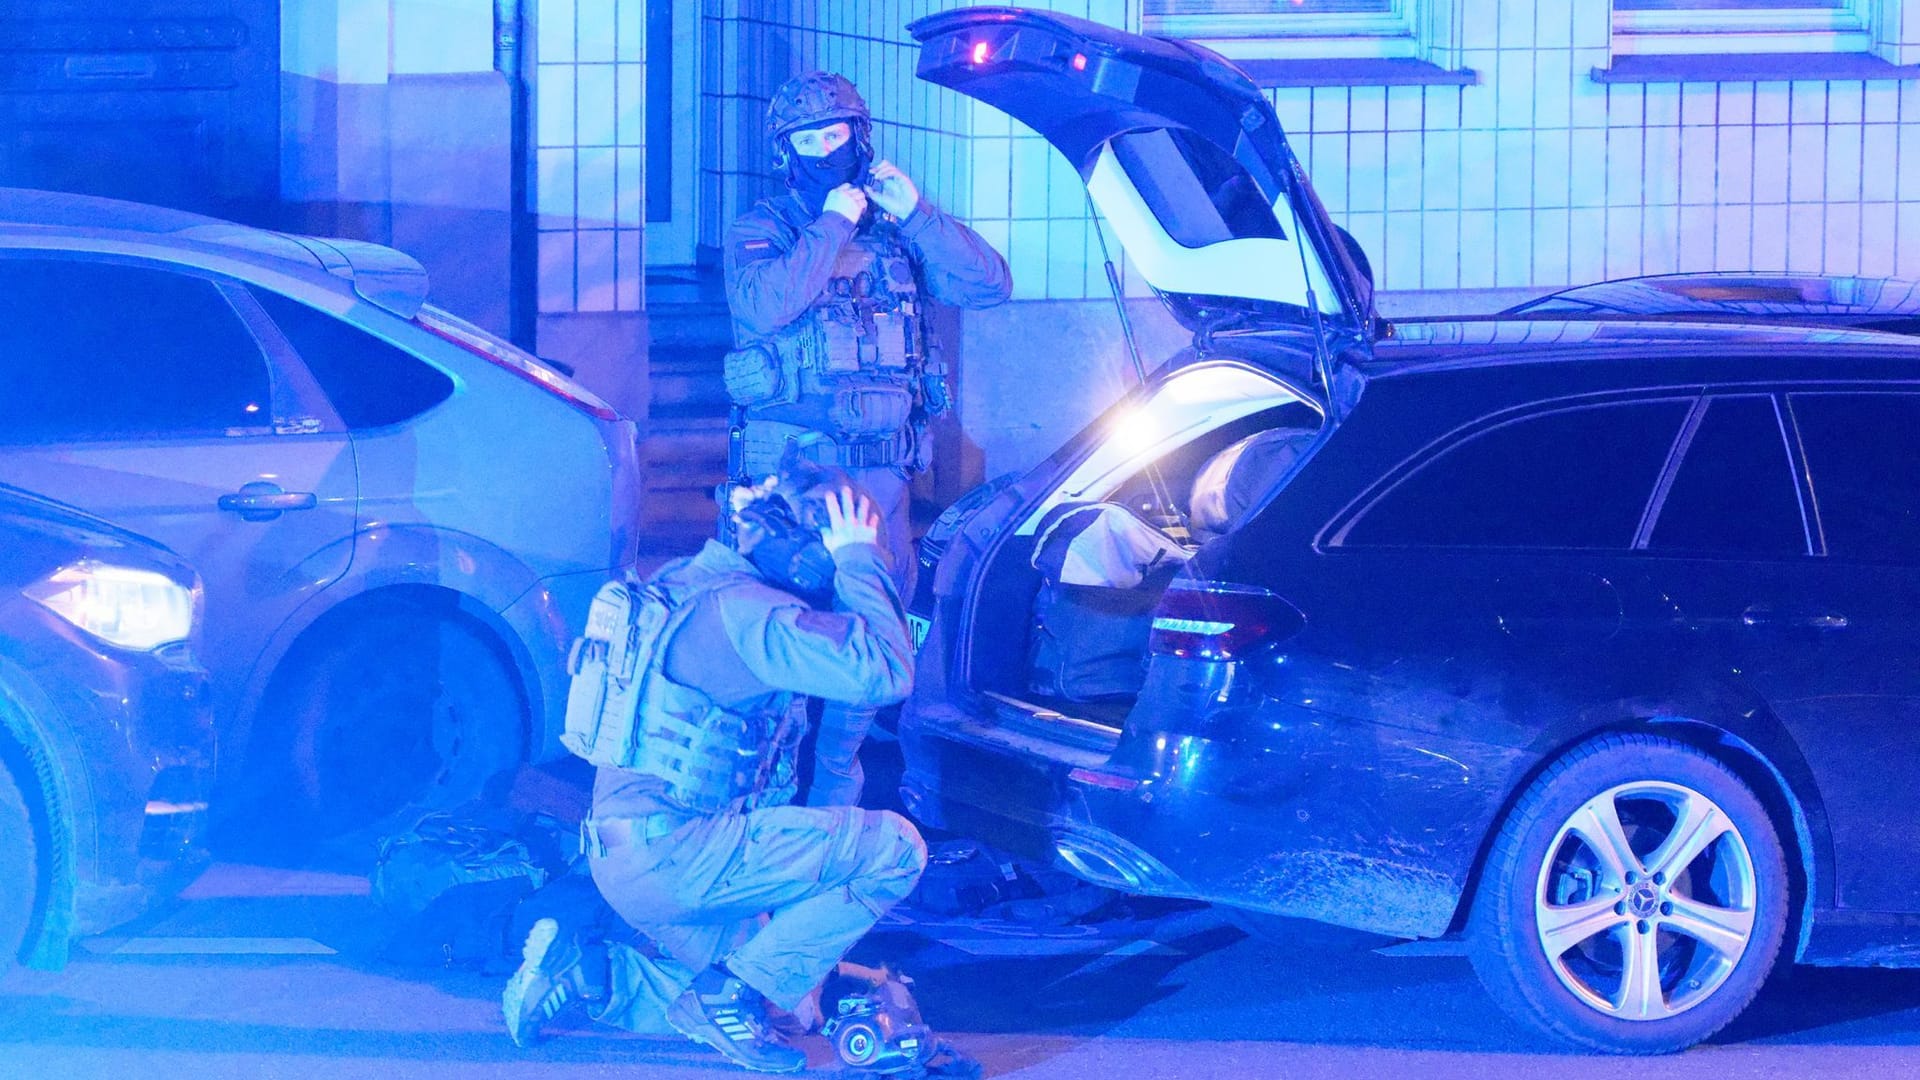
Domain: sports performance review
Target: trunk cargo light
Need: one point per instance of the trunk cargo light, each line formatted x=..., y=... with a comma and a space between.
x=1219, y=621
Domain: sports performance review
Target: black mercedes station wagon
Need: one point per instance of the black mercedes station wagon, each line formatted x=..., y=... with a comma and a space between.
x=1596, y=643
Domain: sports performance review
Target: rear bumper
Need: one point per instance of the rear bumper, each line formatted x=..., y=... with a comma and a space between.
x=1038, y=799
x=1317, y=831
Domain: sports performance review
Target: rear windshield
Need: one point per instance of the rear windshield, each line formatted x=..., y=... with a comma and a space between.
x=1200, y=195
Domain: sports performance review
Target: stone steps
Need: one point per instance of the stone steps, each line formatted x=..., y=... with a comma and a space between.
x=687, y=383
x=685, y=449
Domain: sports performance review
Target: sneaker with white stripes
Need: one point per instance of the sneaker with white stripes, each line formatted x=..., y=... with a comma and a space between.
x=731, y=1017
x=552, y=976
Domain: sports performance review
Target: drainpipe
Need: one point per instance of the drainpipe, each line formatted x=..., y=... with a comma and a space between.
x=508, y=32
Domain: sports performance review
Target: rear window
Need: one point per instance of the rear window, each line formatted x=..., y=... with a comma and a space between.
x=1573, y=478
x=1861, y=449
x=371, y=382
x=1200, y=195
x=1734, y=492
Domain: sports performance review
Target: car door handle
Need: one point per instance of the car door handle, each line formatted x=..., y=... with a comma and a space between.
x=1759, y=615
x=260, y=501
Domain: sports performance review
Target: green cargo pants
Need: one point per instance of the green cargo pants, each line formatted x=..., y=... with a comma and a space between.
x=780, y=894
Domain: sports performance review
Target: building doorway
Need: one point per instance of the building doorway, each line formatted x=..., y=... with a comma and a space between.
x=673, y=132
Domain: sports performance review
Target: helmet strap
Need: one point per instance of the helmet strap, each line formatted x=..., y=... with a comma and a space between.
x=784, y=153
x=863, y=136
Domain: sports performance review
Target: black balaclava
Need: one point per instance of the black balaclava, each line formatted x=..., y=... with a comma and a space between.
x=812, y=178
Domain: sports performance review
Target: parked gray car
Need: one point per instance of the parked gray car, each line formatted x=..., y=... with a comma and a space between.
x=399, y=518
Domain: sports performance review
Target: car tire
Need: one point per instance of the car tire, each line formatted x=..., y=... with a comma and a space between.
x=19, y=870
x=1698, y=885
x=408, y=708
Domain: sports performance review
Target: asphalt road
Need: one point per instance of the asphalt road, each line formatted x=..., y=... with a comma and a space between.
x=270, y=974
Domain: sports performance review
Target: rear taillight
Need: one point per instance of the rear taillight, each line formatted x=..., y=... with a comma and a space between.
x=1099, y=779
x=623, y=451
x=1214, y=620
x=502, y=354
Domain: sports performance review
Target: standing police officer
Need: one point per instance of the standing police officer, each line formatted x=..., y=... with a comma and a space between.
x=692, y=840
x=827, y=285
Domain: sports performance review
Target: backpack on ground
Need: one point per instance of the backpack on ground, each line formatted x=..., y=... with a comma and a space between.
x=448, y=887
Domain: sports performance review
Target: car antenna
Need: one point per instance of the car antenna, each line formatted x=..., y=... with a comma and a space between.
x=1113, y=285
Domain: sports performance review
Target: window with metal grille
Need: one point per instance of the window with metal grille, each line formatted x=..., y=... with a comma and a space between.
x=1742, y=26
x=1306, y=29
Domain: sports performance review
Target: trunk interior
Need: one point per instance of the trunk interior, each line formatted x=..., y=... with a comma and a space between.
x=1057, y=651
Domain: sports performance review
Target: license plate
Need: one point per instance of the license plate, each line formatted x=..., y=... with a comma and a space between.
x=917, y=628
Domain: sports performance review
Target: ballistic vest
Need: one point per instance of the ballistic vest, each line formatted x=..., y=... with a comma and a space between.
x=853, y=368
x=624, y=711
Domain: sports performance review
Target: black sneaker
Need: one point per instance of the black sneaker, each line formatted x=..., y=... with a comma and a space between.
x=552, y=976
x=731, y=1017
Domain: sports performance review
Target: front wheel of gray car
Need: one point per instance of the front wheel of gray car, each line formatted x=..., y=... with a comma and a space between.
x=1635, y=900
x=406, y=707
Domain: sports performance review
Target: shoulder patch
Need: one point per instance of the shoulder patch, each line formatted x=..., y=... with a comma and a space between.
x=835, y=628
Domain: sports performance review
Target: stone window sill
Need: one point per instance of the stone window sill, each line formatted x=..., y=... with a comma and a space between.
x=1752, y=67
x=1365, y=71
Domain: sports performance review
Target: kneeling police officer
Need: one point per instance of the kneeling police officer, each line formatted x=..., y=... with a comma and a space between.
x=745, y=899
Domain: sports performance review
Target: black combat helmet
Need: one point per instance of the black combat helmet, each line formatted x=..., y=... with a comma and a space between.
x=786, y=517
x=814, y=100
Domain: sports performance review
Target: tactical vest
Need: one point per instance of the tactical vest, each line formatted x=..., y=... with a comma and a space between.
x=853, y=368
x=625, y=712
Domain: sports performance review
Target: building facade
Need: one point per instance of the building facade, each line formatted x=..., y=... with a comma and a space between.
x=1480, y=150
x=544, y=157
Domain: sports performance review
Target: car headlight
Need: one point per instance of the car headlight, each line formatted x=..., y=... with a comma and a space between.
x=134, y=609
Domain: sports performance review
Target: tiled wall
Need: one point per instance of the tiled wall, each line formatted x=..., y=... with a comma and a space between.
x=1536, y=177
x=1027, y=200
x=754, y=45
x=589, y=126
x=1539, y=176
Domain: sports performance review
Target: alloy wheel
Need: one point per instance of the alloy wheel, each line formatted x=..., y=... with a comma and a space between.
x=1646, y=900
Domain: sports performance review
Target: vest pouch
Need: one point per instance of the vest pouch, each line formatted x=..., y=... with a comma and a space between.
x=609, y=665
x=625, y=712
x=586, y=692
x=755, y=376
x=841, y=342
x=869, y=410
